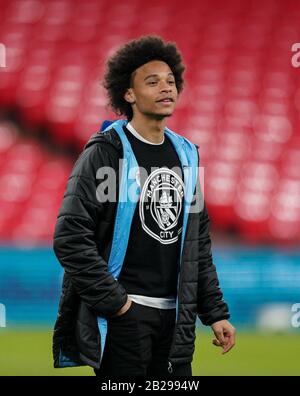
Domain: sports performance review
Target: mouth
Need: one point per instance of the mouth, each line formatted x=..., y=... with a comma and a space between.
x=166, y=100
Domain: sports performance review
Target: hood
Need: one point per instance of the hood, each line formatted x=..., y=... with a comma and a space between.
x=109, y=137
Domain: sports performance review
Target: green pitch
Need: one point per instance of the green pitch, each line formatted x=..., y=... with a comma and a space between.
x=29, y=353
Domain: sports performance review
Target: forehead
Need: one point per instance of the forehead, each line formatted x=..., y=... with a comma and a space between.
x=153, y=67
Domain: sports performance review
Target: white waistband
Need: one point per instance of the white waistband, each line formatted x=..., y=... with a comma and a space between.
x=155, y=302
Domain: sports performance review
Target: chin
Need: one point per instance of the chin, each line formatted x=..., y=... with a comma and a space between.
x=159, y=116
x=166, y=114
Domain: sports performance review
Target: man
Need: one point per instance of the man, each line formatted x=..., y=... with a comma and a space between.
x=138, y=268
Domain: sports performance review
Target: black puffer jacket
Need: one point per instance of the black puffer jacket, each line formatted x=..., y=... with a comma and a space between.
x=82, y=243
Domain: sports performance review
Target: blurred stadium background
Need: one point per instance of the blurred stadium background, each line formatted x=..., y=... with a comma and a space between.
x=241, y=105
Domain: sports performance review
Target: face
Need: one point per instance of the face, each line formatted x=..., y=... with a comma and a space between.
x=153, y=92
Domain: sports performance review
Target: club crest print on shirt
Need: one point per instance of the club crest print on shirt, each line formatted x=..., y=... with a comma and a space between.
x=160, y=205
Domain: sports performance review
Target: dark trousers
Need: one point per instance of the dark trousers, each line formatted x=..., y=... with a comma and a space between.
x=138, y=344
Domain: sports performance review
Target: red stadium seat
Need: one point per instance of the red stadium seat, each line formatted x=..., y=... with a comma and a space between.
x=240, y=105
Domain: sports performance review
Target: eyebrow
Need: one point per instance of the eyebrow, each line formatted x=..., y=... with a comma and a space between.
x=156, y=75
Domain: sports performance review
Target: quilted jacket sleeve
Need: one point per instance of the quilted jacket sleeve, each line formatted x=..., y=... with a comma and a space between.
x=74, y=237
x=211, y=306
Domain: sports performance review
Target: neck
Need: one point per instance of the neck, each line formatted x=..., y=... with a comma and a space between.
x=151, y=129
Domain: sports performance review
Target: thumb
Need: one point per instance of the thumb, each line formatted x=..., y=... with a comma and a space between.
x=216, y=342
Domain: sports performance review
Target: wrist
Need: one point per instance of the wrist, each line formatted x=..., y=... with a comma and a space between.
x=125, y=307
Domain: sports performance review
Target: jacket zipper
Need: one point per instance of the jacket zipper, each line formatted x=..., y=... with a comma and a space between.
x=170, y=368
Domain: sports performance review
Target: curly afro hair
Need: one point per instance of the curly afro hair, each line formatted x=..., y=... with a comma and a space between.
x=135, y=53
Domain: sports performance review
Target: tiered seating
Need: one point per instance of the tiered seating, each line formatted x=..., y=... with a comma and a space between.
x=241, y=103
x=32, y=186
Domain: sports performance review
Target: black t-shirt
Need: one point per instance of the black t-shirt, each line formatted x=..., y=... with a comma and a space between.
x=151, y=263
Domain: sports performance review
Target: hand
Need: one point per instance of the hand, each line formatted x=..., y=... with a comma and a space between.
x=225, y=335
x=124, y=308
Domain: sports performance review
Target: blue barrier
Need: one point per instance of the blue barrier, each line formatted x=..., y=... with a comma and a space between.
x=30, y=282
x=252, y=278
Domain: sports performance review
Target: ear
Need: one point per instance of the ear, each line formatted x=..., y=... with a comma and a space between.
x=129, y=96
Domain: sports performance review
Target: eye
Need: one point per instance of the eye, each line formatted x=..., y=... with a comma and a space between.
x=172, y=82
x=152, y=82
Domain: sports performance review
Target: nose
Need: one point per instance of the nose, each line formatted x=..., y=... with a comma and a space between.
x=165, y=87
